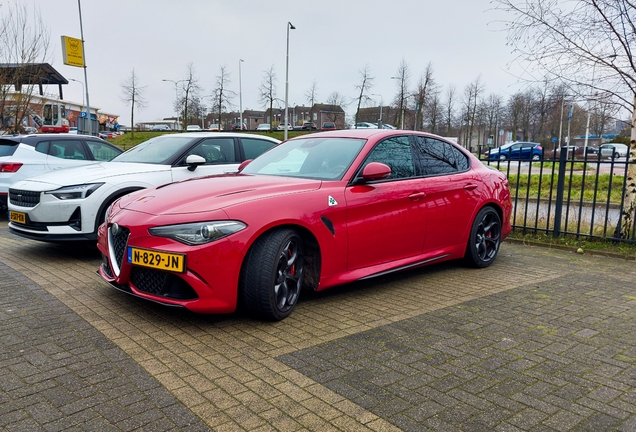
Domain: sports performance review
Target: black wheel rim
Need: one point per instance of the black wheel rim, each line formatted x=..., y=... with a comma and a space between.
x=289, y=272
x=487, y=237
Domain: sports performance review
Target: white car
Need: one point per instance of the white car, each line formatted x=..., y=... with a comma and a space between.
x=281, y=126
x=263, y=126
x=193, y=128
x=160, y=127
x=614, y=150
x=24, y=156
x=71, y=204
x=364, y=125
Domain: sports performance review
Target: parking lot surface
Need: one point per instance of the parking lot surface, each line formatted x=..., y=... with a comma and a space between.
x=541, y=340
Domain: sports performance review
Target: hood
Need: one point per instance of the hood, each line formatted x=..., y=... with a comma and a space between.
x=212, y=193
x=91, y=173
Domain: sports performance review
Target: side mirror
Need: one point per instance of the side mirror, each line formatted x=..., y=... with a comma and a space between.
x=375, y=171
x=193, y=161
x=244, y=164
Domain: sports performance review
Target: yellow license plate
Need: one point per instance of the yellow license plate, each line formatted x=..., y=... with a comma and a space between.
x=17, y=217
x=157, y=260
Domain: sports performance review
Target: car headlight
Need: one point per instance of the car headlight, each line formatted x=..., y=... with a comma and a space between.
x=75, y=191
x=199, y=232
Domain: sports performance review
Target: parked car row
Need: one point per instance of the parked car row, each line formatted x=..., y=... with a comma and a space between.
x=71, y=204
x=516, y=151
x=535, y=152
x=105, y=134
x=209, y=222
x=26, y=156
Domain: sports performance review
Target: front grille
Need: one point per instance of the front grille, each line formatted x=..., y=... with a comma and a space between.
x=24, y=198
x=119, y=244
x=148, y=280
x=106, y=266
x=161, y=283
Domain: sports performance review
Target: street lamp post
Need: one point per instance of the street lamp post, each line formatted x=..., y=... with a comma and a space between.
x=401, y=102
x=176, y=93
x=83, y=95
x=290, y=26
x=88, y=107
x=240, y=98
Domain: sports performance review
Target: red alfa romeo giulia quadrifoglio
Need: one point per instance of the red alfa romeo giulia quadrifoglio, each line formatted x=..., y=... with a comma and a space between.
x=316, y=211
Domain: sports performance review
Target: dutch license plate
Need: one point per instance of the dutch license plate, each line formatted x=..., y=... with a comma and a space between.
x=157, y=260
x=17, y=217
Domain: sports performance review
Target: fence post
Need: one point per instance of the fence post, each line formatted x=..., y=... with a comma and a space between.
x=558, y=204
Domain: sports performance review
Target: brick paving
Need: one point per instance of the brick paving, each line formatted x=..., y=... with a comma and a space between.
x=58, y=373
x=541, y=340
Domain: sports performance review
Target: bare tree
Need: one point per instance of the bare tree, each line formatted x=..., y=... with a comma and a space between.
x=403, y=78
x=267, y=91
x=472, y=92
x=426, y=87
x=449, y=109
x=133, y=94
x=190, y=95
x=587, y=46
x=432, y=114
x=492, y=112
x=221, y=96
x=366, y=83
x=337, y=103
x=602, y=113
x=311, y=95
x=24, y=41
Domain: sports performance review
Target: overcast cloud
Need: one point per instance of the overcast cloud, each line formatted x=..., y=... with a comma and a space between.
x=332, y=42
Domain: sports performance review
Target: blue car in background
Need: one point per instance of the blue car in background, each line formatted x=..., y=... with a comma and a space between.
x=516, y=151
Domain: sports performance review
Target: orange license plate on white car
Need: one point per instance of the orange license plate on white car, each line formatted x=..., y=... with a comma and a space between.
x=17, y=217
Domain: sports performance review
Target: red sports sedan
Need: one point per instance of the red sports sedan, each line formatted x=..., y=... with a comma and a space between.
x=314, y=212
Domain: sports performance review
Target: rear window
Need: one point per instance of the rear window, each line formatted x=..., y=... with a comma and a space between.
x=7, y=147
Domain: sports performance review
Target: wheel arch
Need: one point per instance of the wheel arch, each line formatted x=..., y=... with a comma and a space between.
x=494, y=205
x=312, y=255
x=110, y=199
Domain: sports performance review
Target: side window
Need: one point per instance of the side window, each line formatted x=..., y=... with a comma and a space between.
x=70, y=149
x=435, y=157
x=215, y=151
x=42, y=147
x=253, y=147
x=396, y=153
x=101, y=152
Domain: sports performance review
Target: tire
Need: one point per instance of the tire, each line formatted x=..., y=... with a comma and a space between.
x=272, y=274
x=485, y=238
x=536, y=157
x=503, y=157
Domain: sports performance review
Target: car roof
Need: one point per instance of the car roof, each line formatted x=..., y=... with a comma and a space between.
x=368, y=133
x=206, y=134
x=27, y=139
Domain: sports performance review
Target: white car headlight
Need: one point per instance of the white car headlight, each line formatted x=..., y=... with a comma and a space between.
x=75, y=191
x=199, y=232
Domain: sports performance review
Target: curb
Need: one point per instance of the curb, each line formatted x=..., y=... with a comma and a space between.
x=572, y=249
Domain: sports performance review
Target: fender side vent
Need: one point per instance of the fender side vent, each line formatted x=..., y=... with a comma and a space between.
x=328, y=224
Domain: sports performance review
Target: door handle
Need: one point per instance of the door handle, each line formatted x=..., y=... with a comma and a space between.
x=470, y=187
x=417, y=195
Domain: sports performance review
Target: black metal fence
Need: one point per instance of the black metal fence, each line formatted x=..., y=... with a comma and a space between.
x=573, y=192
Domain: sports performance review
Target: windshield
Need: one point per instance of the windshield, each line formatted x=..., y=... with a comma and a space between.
x=312, y=158
x=157, y=150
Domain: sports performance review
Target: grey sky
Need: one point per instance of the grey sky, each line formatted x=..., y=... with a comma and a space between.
x=332, y=42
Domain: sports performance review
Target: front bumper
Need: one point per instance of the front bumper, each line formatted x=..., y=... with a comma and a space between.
x=51, y=219
x=209, y=283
